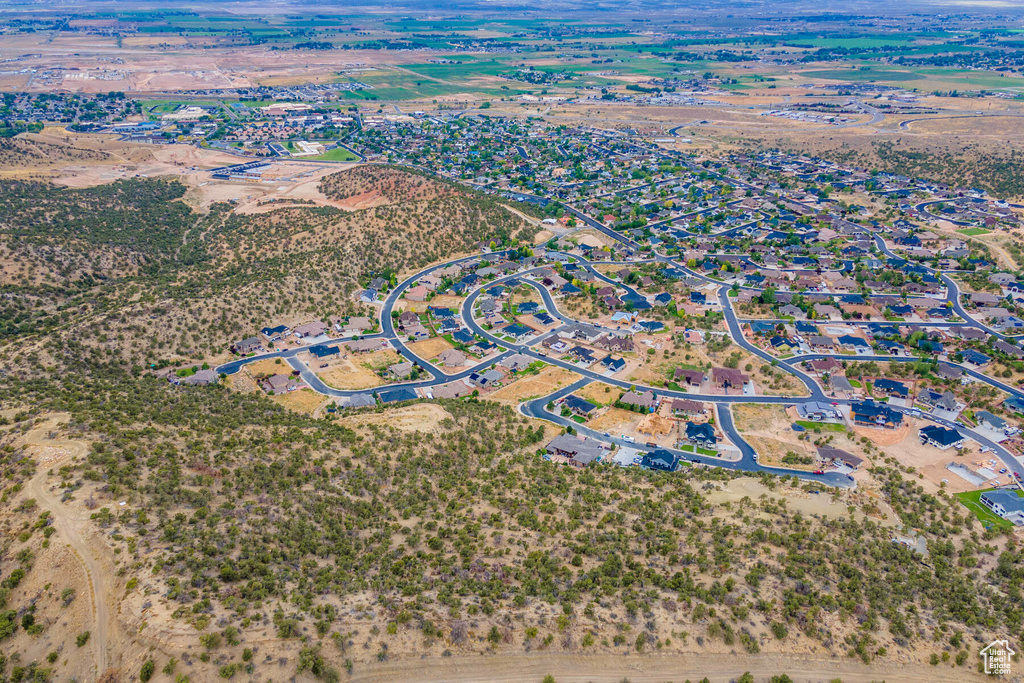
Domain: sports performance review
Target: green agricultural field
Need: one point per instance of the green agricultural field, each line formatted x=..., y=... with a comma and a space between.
x=468, y=69
x=972, y=501
x=865, y=74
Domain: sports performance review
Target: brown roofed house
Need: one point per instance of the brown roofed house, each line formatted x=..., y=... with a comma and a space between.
x=728, y=377
x=613, y=343
x=645, y=400
x=693, y=378
x=685, y=406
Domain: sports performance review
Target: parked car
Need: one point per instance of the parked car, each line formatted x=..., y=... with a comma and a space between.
x=819, y=471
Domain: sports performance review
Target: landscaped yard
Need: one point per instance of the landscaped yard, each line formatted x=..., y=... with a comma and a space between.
x=972, y=501
x=690, y=448
x=973, y=232
x=824, y=426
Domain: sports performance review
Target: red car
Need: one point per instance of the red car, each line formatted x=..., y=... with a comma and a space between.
x=819, y=471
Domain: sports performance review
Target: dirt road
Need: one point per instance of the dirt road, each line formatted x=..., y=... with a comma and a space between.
x=67, y=527
x=718, y=668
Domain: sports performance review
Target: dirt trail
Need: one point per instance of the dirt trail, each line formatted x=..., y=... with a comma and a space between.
x=93, y=570
x=718, y=668
x=68, y=526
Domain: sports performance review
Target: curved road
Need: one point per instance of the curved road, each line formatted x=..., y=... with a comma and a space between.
x=536, y=408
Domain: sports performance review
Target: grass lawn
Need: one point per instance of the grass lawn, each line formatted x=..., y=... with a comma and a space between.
x=973, y=232
x=855, y=384
x=824, y=426
x=972, y=501
x=336, y=154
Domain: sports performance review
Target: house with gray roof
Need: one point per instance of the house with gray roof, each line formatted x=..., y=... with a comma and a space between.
x=579, y=451
x=1006, y=503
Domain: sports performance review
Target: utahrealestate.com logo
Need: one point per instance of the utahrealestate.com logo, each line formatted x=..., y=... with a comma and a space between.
x=997, y=656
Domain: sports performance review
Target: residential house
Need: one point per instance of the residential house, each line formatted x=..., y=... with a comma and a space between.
x=450, y=358
x=1008, y=349
x=818, y=411
x=940, y=437
x=875, y=414
x=357, y=401
x=660, y=459
x=934, y=399
x=851, y=343
x=408, y=318
x=279, y=384
x=274, y=333
x=686, y=407
x=401, y=370
x=199, y=378
x=820, y=342
x=891, y=347
x=647, y=400
x=579, y=451
x=726, y=378
x=827, y=311
x=701, y=434
x=366, y=345
x=613, y=364
x=974, y=357
x=322, y=351
x=949, y=372
x=891, y=388
x=826, y=365
x=485, y=379
x=582, y=354
x=578, y=406
x=837, y=456
x=359, y=325
x=441, y=313
x=417, y=293
x=516, y=362
x=517, y=331
x=311, y=329
x=1006, y=503
x=613, y=343
x=455, y=389
x=791, y=311
x=987, y=419
x=693, y=378
x=246, y=346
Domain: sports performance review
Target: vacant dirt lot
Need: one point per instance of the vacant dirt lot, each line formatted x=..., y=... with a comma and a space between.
x=301, y=401
x=615, y=421
x=428, y=348
x=447, y=301
x=768, y=429
x=796, y=499
x=270, y=366
x=548, y=380
x=599, y=392
x=421, y=417
x=357, y=371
